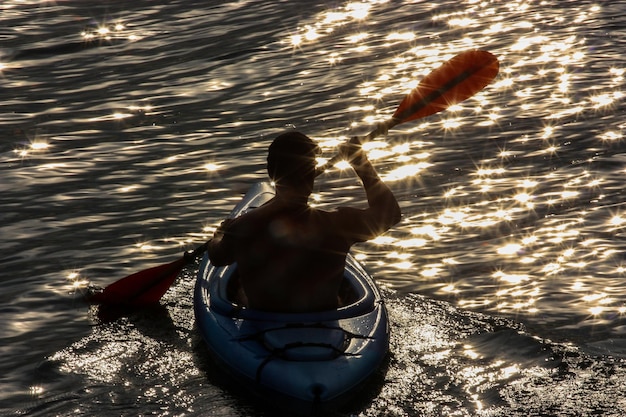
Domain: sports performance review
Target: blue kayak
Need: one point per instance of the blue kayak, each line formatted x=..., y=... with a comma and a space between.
x=305, y=362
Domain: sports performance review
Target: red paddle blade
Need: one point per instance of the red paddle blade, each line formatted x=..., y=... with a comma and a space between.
x=456, y=80
x=141, y=288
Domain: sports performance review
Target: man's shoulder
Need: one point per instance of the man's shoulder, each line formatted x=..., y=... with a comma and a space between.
x=245, y=222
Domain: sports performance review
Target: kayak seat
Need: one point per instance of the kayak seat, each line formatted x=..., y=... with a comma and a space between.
x=235, y=294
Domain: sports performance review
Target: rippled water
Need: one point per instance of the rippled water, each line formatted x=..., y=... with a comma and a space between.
x=128, y=130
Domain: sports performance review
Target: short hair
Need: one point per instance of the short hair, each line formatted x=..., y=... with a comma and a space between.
x=291, y=159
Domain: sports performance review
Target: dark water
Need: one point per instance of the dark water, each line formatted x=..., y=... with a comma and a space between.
x=128, y=130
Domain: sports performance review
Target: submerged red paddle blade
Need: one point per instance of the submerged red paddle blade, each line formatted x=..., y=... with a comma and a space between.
x=142, y=288
x=456, y=80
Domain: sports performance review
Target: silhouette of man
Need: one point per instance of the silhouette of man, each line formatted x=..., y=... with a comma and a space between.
x=291, y=256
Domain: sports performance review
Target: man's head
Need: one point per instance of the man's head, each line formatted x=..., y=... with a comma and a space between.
x=291, y=160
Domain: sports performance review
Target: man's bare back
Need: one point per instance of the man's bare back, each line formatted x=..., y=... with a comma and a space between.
x=290, y=256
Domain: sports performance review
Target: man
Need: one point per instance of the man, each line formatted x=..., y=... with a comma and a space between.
x=290, y=256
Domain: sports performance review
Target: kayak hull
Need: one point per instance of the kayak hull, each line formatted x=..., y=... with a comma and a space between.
x=304, y=362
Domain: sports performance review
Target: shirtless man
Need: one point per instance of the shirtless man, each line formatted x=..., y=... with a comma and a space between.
x=291, y=256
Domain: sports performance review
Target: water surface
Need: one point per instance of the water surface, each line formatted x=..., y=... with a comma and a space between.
x=128, y=130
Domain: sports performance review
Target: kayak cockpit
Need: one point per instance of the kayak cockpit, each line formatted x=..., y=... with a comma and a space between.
x=225, y=290
x=235, y=293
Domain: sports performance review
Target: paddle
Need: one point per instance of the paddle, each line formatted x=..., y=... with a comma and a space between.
x=453, y=82
x=456, y=80
x=146, y=287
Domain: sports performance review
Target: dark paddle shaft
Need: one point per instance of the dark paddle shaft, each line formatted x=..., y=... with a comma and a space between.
x=191, y=256
x=456, y=80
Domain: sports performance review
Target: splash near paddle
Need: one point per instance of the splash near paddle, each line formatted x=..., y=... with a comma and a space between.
x=456, y=80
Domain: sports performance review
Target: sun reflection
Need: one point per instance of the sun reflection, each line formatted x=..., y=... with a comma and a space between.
x=525, y=42
x=611, y=136
x=119, y=116
x=405, y=265
x=358, y=10
x=212, y=167
x=617, y=221
x=383, y=240
x=406, y=171
x=398, y=255
x=413, y=243
x=511, y=278
x=606, y=99
x=404, y=36
x=462, y=22
x=342, y=165
x=510, y=249
x=330, y=20
x=429, y=230
x=334, y=58
x=296, y=40
x=430, y=272
x=596, y=311
x=147, y=247
x=451, y=123
x=524, y=198
x=311, y=34
x=109, y=32
x=76, y=282
x=450, y=288
x=36, y=390
x=469, y=351
x=569, y=194
x=618, y=74
x=451, y=217
x=39, y=146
